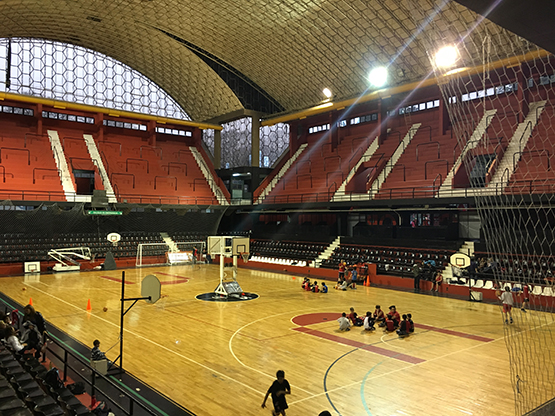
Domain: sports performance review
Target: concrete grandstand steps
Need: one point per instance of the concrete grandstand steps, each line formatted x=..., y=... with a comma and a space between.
x=518, y=142
x=326, y=254
x=340, y=194
x=472, y=143
x=95, y=155
x=378, y=182
x=208, y=176
x=280, y=174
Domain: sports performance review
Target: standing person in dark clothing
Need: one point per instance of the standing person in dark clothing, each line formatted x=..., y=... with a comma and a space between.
x=416, y=271
x=30, y=315
x=278, y=390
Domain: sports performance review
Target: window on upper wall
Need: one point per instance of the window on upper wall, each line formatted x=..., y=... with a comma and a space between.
x=72, y=73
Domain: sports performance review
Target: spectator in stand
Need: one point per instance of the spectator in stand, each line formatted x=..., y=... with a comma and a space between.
x=324, y=288
x=31, y=338
x=96, y=353
x=507, y=299
x=30, y=315
x=438, y=280
x=344, y=324
x=379, y=315
x=12, y=341
x=472, y=268
x=369, y=322
x=353, y=317
x=404, y=328
x=411, y=323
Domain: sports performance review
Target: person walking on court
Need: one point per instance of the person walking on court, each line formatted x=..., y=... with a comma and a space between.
x=507, y=299
x=278, y=390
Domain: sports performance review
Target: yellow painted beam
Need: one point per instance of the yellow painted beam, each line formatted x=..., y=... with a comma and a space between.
x=108, y=111
x=385, y=93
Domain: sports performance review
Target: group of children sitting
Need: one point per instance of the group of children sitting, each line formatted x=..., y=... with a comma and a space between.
x=348, y=277
x=390, y=322
x=313, y=287
x=29, y=337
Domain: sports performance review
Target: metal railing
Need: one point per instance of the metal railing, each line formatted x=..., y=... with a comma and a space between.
x=64, y=358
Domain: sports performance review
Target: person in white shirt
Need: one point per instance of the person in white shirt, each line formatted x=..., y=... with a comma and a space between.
x=12, y=341
x=369, y=322
x=344, y=324
x=507, y=299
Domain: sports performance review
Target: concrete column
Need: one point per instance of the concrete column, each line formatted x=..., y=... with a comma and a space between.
x=255, y=148
x=217, y=149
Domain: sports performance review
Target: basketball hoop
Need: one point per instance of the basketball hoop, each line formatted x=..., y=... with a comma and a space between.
x=114, y=238
x=245, y=257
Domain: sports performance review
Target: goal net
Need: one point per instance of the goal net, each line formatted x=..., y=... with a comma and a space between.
x=498, y=92
x=151, y=254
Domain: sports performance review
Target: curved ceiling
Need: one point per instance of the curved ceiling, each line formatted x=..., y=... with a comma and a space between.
x=288, y=50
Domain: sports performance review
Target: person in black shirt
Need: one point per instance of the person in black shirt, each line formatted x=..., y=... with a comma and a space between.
x=278, y=390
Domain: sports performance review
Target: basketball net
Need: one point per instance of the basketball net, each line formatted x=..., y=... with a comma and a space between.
x=245, y=257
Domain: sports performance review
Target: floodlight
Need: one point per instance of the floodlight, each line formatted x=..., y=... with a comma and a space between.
x=378, y=76
x=446, y=57
x=327, y=92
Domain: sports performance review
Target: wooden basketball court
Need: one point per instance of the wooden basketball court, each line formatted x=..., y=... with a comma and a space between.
x=220, y=358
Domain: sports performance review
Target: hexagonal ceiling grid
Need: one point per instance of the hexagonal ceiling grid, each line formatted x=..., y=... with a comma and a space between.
x=291, y=49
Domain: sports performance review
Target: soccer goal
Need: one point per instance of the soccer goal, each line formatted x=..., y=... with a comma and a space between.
x=152, y=254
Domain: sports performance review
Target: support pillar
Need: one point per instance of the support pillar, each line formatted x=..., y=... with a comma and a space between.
x=217, y=149
x=255, y=145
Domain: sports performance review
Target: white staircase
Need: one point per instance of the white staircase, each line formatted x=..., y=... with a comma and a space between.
x=474, y=140
x=209, y=177
x=518, y=143
x=95, y=156
x=280, y=174
x=171, y=244
x=65, y=176
x=326, y=254
x=375, y=188
x=340, y=193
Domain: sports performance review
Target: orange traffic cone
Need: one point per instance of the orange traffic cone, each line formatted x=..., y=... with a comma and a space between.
x=89, y=306
x=31, y=301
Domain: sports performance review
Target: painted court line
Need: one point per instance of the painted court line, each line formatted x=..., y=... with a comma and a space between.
x=173, y=275
x=115, y=279
x=352, y=343
x=454, y=333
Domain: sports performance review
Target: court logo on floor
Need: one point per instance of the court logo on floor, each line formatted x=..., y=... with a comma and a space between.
x=232, y=297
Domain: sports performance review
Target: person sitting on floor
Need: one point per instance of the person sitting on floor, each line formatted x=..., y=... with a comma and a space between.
x=353, y=317
x=389, y=323
x=369, y=322
x=344, y=324
x=404, y=328
x=394, y=315
x=324, y=288
x=315, y=287
x=411, y=323
x=379, y=315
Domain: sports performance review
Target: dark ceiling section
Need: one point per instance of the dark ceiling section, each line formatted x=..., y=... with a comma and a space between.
x=532, y=19
x=251, y=95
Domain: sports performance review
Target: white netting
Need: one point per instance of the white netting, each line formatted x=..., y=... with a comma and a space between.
x=499, y=94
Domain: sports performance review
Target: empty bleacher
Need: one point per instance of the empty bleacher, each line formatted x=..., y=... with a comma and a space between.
x=27, y=166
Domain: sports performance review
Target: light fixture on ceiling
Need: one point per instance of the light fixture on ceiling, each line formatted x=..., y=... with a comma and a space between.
x=378, y=77
x=446, y=57
x=327, y=93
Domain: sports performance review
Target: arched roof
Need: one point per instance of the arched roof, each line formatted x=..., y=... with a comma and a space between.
x=288, y=50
